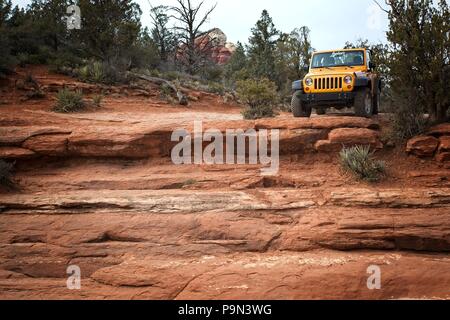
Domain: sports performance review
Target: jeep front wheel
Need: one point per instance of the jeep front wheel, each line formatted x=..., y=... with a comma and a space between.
x=364, y=106
x=299, y=109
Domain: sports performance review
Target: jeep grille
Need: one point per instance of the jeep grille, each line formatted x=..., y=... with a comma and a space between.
x=328, y=83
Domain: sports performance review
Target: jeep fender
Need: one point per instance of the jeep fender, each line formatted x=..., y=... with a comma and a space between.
x=297, y=85
x=372, y=81
x=361, y=81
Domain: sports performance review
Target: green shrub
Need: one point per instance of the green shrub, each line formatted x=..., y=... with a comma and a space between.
x=217, y=88
x=102, y=72
x=96, y=72
x=359, y=162
x=97, y=100
x=260, y=96
x=212, y=73
x=69, y=101
x=259, y=112
x=6, y=176
x=407, y=123
x=64, y=63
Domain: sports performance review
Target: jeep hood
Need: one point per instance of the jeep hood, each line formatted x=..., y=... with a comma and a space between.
x=335, y=71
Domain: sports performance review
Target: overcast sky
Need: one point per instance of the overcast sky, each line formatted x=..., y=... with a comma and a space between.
x=332, y=22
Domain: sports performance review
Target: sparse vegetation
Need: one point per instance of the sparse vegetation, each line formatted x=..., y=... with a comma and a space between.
x=97, y=100
x=69, y=101
x=359, y=162
x=407, y=122
x=6, y=176
x=260, y=96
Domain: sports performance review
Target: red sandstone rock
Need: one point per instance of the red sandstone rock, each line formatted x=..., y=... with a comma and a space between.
x=444, y=145
x=422, y=146
x=443, y=157
x=349, y=137
x=15, y=153
x=49, y=145
x=440, y=130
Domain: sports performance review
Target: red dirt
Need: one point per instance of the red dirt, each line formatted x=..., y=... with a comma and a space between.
x=140, y=227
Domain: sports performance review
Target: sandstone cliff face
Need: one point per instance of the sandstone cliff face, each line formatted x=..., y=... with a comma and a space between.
x=98, y=190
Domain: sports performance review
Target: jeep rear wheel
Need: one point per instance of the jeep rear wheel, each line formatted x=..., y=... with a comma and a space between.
x=377, y=102
x=299, y=109
x=364, y=106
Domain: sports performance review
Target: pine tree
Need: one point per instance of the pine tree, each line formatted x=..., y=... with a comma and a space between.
x=109, y=28
x=5, y=50
x=236, y=68
x=262, y=47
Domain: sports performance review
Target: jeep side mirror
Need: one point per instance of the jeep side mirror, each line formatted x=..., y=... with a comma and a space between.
x=372, y=65
x=305, y=68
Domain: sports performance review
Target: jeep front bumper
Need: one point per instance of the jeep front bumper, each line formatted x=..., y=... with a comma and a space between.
x=328, y=99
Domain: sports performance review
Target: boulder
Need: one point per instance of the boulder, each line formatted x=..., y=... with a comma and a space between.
x=349, y=137
x=444, y=145
x=422, y=146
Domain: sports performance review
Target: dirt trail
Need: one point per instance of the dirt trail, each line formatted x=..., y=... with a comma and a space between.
x=98, y=190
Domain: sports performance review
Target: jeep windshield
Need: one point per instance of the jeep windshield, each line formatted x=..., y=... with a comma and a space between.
x=338, y=59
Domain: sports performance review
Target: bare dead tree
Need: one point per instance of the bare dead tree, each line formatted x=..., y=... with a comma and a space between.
x=189, y=29
x=182, y=98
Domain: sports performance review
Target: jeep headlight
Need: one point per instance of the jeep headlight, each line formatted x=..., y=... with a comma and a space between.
x=309, y=81
x=348, y=79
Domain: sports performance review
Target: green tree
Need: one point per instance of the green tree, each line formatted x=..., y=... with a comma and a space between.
x=237, y=66
x=48, y=21
x=161, y=33
x=420, y=63
x=109, y=28
x=5, y=50
x=293, y=53
x=262, y=48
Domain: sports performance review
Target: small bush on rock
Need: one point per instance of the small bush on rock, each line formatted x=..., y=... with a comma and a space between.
x=69, y=101
x=359, y=162
x=408, y=122
x=260, y=96
x=97, y=100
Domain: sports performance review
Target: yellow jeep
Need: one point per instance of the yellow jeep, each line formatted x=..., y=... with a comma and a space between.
x=339, y=79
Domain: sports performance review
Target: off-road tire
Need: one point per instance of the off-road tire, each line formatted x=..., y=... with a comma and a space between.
x=364, y=103
x=299, y=109
x=377, y=103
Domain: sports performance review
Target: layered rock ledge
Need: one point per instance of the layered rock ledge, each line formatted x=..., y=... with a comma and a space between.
x=150, y=141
